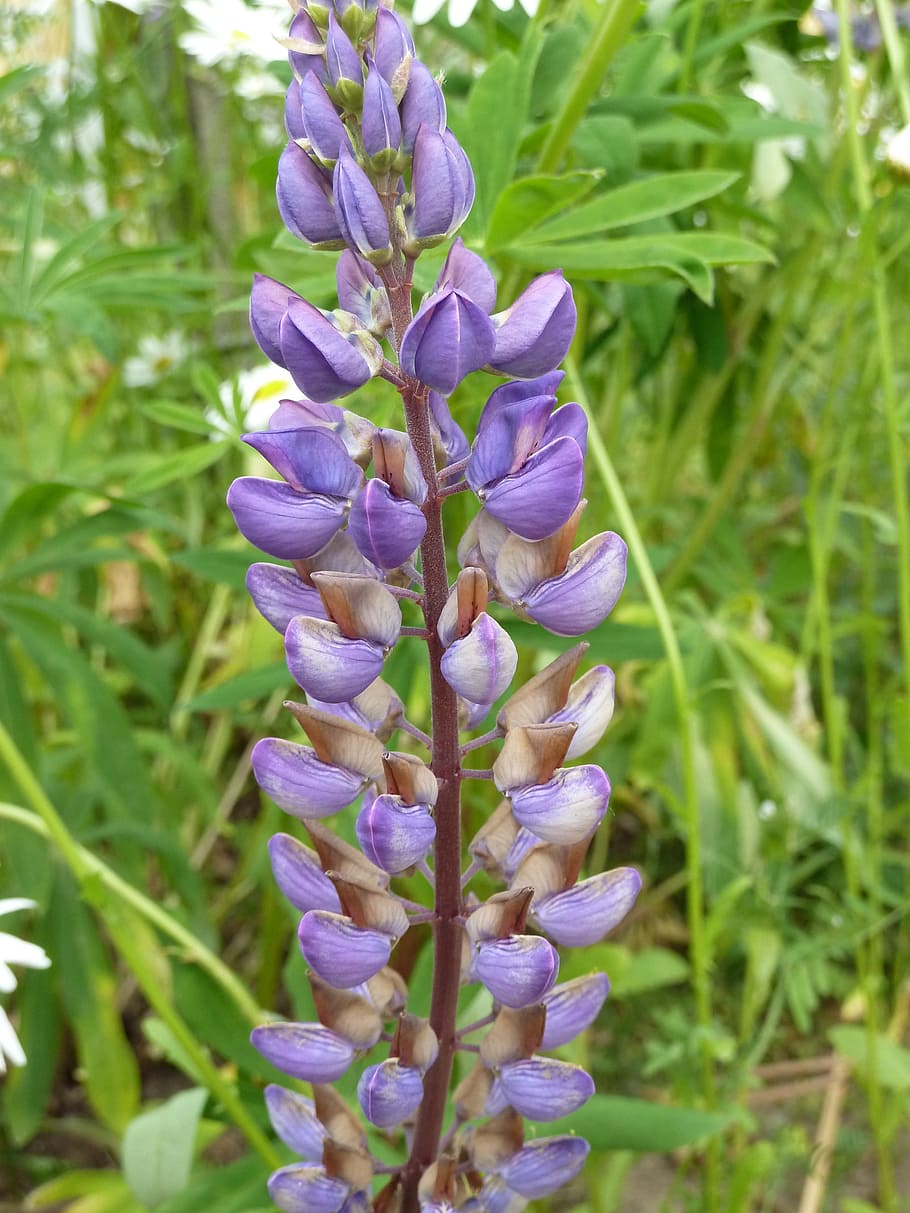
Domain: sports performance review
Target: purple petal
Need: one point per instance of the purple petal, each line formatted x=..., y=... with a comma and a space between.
x=543, y=1166
x=361, y=215
x=394, y=835
x=387, y=529
x=451, y=435
x=585, y=594
x=481, y=665
x=534, y=334
x=299, y=783
x=299, y=875
x=304, y=196
x=381, y=125
x=307, y=1189
x=467, y=272
x=268, y=303
x=279, y=594
x=542, y=496
x=293, y=119
x=584, y=914
x=323, y=361
x=442, y=188
x=567, y=808
x=573, y=1006
x=389, y=1092
x=302, y=27
x=323, y=125
x=361, y=293
x=590, y=706
x=295, y=1121
x=448, y=338
x=342, y=60
x=517, y=971
x=544, y=1089
x=393, y=47
x=341, y=953
x=310, y=458
x=328, y=665
x=507, y=435
x=282, y=522
x=570, y=421
x=519, y=391
x=304, y=1050
x=423, y=102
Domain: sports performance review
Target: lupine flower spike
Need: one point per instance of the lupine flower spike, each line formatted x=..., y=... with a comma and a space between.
x=355, y=516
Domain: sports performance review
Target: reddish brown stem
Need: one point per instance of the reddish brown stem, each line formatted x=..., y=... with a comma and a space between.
x=446, y=767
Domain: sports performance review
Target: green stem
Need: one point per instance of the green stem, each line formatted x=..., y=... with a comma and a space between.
x=701, y=976
x=894, y=49
x=617, y=19
x=692, y=31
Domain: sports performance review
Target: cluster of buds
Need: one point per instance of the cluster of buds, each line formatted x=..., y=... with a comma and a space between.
x=372, y=169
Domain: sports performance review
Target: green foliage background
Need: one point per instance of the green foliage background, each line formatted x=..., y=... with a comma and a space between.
x=742, y=282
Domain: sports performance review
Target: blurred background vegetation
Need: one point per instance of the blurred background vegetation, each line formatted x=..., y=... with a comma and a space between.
x=727, y=187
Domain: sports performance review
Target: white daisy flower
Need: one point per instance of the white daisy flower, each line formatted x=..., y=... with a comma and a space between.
x=229, y=30
x=247, y=401
x=460, y=10
x=897, y=153
x=15, y=951
x=156, y=357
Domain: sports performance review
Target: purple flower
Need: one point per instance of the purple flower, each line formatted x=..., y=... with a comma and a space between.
x=387, y=529
x=300, y=783
x=295, y=520
x=294, y=1119
x=361, y=215
x=325, y=132
x=279, y=594
x=381, y=125
x=395, y=835
x=422, y=104
x=468, y=272
x=481, y=665
x=304, y=1050
x=448, y=338
x=269, y=301
x=442, y=191
x=389, y=1093
x=393, y=50
x=340, y=952
x=361, y=293
x=304, y=193
x=518, y=970
x=534, y=334
x=544, y=1089
x=307, y=1189
x=565, y=809
x=328, y=356
x=573, y=1006
x=543, y=1166
x=584, y=914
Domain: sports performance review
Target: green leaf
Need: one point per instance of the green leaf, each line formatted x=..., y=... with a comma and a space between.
x=525, y=203
x=630, y=973
x=158, y=1147
x=236, y=1188
x=892, y=1061
x=663, y=194
x=252, y=685
x=215, y=564
x=88, y=990
x=180, y=416
x=24, y=515
x=614, y=1122
x=149, y=671
x=161, y=471
x=85, y=1192
x=612, y=642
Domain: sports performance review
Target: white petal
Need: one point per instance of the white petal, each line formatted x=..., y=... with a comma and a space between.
x=19, y=952
x=9, y=905
x=460, y=11
x=9, y=1044
x=425, y=10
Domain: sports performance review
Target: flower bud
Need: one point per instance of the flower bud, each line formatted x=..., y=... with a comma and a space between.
x=381, y=124
x=377, y=709
x=534, y=334
x=393, y=50
x=415, y=1043
x=387, y=529
x=422, y=104
x=516, y=1034
x=346, y=1012
x=305, y=48
x=481, y=665
x=328, y=356
x=530, y=755
x=517, y=971
x=441, y=195
x=370, y=906
x=361, y=293
x=542, y=1166
x=571, y=1007
x=345, y=67
x=304, y=193
x=293, y=117
x=389, y=1093
x=325, y=132
x=294, y=1120
x=279, y=594
x=393, y=835
x=584, y=914
x=299, y=875
x=361, y=215
x=304, y=1050
x=544, y=1089
x=448, y=338
x=590, y=707
x=340, y=952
